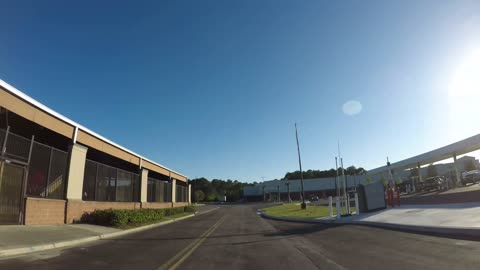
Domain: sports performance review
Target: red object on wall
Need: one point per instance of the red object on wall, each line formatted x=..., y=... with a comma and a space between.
x=390, y=197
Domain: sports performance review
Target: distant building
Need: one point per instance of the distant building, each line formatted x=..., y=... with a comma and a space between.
x=323, y=187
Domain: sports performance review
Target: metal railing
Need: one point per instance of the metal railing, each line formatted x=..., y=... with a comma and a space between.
x=158, y=191
x=46, y=166
x=14, y=147
x=106, y=183
x=181, y=194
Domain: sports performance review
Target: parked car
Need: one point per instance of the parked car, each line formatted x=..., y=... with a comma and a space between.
x=432, y=183
x=470, y=177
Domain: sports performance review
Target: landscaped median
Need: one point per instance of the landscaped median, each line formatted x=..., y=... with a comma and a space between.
x=126, y=219
x=293, y=210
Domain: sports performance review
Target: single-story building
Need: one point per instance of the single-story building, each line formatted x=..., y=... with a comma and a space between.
x=53, y=170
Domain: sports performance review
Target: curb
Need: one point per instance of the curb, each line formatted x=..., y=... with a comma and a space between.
x=299, y=220
x=445, y=231
x=70, y=243
x=441, y=231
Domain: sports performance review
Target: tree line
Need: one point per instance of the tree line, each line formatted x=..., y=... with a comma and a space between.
x=204, y=190
x=310, y=174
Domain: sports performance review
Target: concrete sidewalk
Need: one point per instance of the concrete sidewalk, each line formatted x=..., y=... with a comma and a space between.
x=458, y=215
x=457, y=219
x=460, y=219
x=21, y=239
x=15, y=237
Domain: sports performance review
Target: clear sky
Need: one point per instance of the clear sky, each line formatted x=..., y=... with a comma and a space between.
x=213, y=88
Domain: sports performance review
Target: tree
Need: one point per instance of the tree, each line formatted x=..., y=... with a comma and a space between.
x=368, y=181
x=431, y=170
x=215, y=189
x=310, y=174
x=351, y=170
x=360, y=171
x=199, y=196
x=384, y=181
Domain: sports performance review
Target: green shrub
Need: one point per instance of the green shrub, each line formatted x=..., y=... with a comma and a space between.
x=174, y=211
x=189, y=209
x=116, y=218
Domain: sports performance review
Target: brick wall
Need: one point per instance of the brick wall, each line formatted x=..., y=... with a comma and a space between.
x=75, y=209
x=44, y=211
x=47, y=211
x=178, y=204
x=157, y=205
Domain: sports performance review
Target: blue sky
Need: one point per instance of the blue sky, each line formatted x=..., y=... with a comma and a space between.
x=213, y=88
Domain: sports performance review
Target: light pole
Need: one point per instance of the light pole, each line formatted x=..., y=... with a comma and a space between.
x=304, y=205
x=337, y=184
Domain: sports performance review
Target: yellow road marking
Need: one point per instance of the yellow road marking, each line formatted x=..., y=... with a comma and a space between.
x=178, y=259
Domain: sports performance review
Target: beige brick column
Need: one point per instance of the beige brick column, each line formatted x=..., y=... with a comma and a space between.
x=76, y=170
x=143, y=186
x=174, y=190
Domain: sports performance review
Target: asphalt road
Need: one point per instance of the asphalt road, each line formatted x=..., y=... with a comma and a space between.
x=235, y=237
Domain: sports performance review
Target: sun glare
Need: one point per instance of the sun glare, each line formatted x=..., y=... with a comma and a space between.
x=466, y=80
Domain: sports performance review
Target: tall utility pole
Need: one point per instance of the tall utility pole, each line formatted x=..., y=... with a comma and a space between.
x=344, y=180
x=337, y=186
x=278, y=192
x=304, y=205
x=390, y=174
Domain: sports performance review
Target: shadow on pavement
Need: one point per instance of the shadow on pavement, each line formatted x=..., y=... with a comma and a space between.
x=427, y=233
x=188, y=238
x=303, y=229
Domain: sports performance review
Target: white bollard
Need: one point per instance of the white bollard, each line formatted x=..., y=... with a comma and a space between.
x=339, y=214
x=348, y=203
x=357, y=207
x=330, y=205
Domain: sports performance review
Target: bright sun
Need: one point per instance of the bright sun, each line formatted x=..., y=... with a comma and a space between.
x=466, y=80
x=464, y=98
